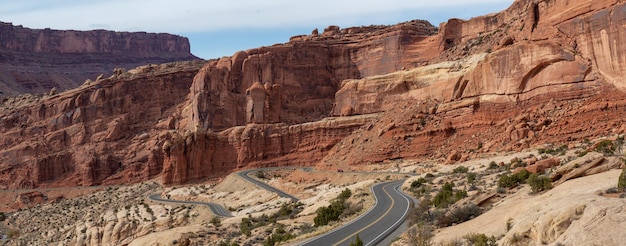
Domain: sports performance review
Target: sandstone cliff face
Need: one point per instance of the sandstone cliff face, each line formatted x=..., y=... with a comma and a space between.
x=308, y=71
x=209, y=155
x=34, y=60
x=108, y=131
x=530, y=51
x=518, y=65
x=525, y=64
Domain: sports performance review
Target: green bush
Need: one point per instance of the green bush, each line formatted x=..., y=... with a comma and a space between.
x=621, y=181
x=261, y=175
x=344, y=195
x=246, y=227
x=417, y=183
x=476, y=239
x=493, y=165
x=288, y=210
x=325, y=215
x=539, y=183
x=447, y=196
x=461, y=169
x=357, y=241
x=280, y=235
x=471, y=177
x=553, y=151
x=606, y=147
x=216, y=221
x=508, y=181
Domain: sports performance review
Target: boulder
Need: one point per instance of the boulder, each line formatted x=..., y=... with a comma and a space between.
x=542, y=165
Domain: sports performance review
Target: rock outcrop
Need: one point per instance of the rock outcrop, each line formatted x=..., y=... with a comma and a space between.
x=199, y=155
x=35, y=60
x=308, y=71
x=109, y=131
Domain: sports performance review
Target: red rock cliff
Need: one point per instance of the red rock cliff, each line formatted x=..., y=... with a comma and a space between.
x=35, y=60
x=308, y=70
x=106, y=132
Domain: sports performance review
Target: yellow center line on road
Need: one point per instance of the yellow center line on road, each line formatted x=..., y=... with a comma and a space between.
x=371, y=224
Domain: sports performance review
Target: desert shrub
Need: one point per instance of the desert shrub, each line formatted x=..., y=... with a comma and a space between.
x=421, y=191
x=344, y=195
x=471, y=177
x=606, y=146
x=460, y=169
x=417, y=183
x=621, y=181
x=306, y=228
x=430, y=175
x=332, y=212
x=261, y=175
x=447, y=196
x=351, y=208
x=539, y=183
x=288, y=210
x=553, y=151
x=509, y=224
x=476, y=239
x=327, y=214
x=420, y=213
x=420, y=235
x=246, y=226
x=493, y=165
x=507, y=181
x=2, y=216
x=357, y=241
x=458, y=215
x=279, y=235
x=216, y=221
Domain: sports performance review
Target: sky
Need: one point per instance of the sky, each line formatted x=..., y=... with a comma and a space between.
x=221, y=28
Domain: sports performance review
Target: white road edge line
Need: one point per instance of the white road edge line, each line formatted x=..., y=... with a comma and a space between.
x=395, y=224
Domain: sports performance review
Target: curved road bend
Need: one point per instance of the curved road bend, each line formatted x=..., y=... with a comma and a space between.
x=246, y=175
x=216, y=209
x=388, y=213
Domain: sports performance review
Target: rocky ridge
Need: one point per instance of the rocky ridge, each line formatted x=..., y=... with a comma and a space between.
x=37, y=60
x=107, y=131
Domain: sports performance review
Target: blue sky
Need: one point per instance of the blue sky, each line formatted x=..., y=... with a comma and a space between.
x=220, y=28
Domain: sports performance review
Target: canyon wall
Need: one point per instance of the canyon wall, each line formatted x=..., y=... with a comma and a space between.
x=36, y=60
x=109, y=131
x=308, y=70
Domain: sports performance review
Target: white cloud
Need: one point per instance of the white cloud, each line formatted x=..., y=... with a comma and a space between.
x=200, y=16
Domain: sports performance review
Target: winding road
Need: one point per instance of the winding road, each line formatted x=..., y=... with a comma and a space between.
x=246, y=175
x=216, y=209
x=388, y=213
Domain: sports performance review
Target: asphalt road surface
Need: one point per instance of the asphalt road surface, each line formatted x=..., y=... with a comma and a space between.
x=216, y=209
x=389, y=212
x=246, y=175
